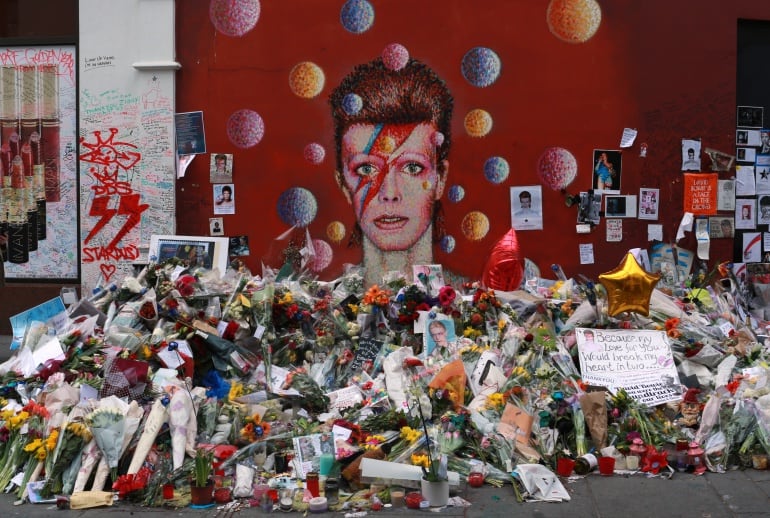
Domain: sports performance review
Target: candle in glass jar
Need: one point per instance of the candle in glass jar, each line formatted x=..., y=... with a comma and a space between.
x=397, y=496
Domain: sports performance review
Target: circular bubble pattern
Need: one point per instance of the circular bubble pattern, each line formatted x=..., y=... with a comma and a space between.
x=306, y=80
x=448, y=244
x=557, y=168
x=481, y=66
x=478, y=123
x=297, y=207
x=314, y=153
x=395, y=56
x=245, y=128
x=496, y=169
x=323, y=255
x=352, y=103
x=234, y=17
x=357, y=16
x=456, y=193
x=574, y=21
x=475, y=225
x=335, y=231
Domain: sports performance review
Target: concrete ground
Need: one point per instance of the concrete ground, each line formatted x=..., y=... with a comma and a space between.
x=713, y=495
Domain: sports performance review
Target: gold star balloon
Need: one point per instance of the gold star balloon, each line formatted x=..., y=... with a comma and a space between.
x=629, y=287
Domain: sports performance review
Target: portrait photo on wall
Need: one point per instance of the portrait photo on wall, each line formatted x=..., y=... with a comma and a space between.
x=221, y=168
x=691, y=154
x=763, y=210
x=745, y=209
x=607, y=170
x=726, y=195
x=747, y=137
x=527, y=207
x=589, y=208
x=239, y=246
x=620, y=206
x=750, y=116
x=721, y=227
x=649, y=200
x=190, y=135
x=216, y=227
x=746, y=154
x=224, y=198
x=764, y=142
x=439, y=336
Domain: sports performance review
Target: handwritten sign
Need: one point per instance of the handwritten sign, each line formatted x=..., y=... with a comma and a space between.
x=368, y=349
x=700, y=193
x=638, y=361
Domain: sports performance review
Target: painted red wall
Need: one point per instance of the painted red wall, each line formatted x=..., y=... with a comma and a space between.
x=665, y=68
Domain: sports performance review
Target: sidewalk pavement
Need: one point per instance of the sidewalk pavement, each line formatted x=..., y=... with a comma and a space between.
x=713, y=495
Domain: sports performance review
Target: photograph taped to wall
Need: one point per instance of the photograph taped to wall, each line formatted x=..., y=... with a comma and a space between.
x=620, y=206
x=721, y=227
x=726, y=195
x=649, y=203
x=607, y=170
x=745, y=183
x=527, y=207
x=747, y=137
x=224, y=198
x=691, y=154
x=745, y=209
x=762, y=177
x=216, y=227
x=221, y=168
x=209, y=252
x=746, y=154
x=749, y=116
x=763, y=210
x=38, y=103
x=590, y=207
x=190, y=134
x=720, y=161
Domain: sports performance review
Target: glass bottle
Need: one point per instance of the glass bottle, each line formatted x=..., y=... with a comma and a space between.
x=585, y=464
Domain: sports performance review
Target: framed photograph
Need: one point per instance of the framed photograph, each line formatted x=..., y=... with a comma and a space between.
x=207, y=252
x=745, y=209
x=607, y=170
x=590, y=208
x=750, y=116
x=239, y=246
x=38, y=91
x=527, y=207
x=190, y=134
x=746, y=154
x=721, y=227
x=224, y=198
x=649, y=201
x=216, y=227
x=221, y=168
x=438, y=337
x=619, y=206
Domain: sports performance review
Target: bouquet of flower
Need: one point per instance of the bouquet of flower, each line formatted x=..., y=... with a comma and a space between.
x=108, y=428
x=71, y=441
x=12, y=420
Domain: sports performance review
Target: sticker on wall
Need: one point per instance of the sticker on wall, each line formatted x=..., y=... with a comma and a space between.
x=557, y=168
x=607, y=170
x=357, y=16
x=574, y=21
x=245, y=128
x=234, y=17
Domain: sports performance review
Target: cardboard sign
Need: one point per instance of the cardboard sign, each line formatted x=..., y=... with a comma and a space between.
x=700, y=193
x=639, y=361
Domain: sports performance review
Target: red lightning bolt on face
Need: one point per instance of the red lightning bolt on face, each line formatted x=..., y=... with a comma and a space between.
x=384, y=142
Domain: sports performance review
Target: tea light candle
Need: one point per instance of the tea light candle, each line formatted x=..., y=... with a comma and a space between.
x=397, y=497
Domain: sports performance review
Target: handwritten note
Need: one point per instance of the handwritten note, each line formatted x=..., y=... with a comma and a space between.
x=639, y=361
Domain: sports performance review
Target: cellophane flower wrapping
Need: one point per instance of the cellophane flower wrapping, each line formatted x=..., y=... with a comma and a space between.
x=133, y=415
x=108, y=425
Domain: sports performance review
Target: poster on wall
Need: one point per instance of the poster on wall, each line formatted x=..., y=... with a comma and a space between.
x=700, y=193
x=38, y=210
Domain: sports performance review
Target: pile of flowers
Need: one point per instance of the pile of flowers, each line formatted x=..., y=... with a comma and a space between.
x=179, y=357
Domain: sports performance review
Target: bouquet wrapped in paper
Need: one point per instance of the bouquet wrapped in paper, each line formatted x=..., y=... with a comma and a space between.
x=157, y=417
x=133, y=415
x=108, y=425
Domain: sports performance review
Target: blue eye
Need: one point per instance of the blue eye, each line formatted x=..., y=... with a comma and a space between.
x=366, y=170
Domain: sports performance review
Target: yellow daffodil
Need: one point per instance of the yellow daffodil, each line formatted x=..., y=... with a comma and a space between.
x=236, y=391
x=420, y=460
x=34, y=445
x=52, y=439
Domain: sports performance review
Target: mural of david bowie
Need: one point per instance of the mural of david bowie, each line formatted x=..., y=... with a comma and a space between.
x=392, y=162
